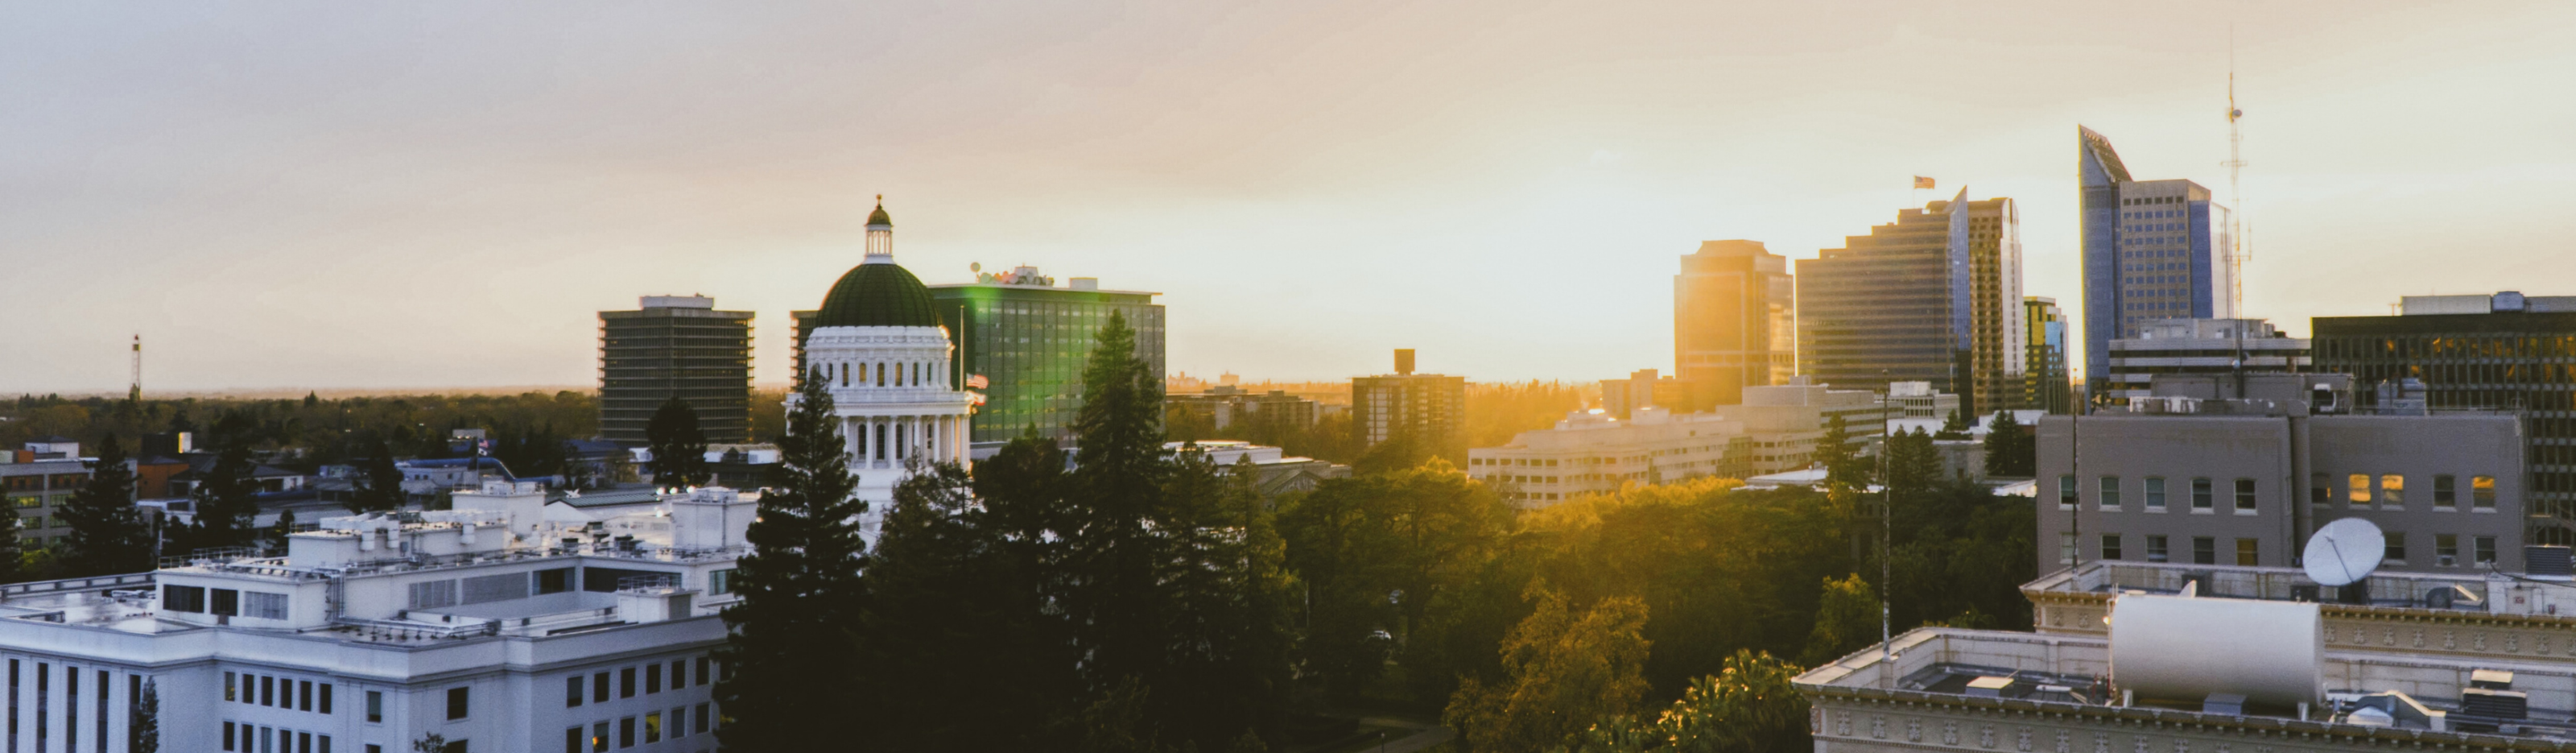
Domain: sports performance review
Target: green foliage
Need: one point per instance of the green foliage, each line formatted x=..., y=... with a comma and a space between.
x=793, y=642
x=1956, y=425
x=378, y=483
x=1961, y=552
x=2011, y=449
x=1913, y=465
x=679, y=449
x=1833, y=451
x=326, y=431
x=1563, y=669
x=143, y=725
x=224, y=504
x=108, y=534
x=1498, y=410
x=1846, y=620
x=1381, y=553
x=1748, y=707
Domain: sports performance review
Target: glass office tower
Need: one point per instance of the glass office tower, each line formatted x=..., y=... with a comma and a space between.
x=1933, y=297
x=1732, y=322
x=2154, y=249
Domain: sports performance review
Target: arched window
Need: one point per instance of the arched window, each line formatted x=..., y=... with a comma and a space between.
x=845, y=373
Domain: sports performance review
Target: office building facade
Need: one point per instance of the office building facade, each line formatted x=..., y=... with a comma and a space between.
x=1734, y=324
x=675, y=346
x=1429, y=409
x=37, y=481
x=1030, y=338
x=2051, y=387
x=2153, y=250
x=1225, y=406
x=2221, y=347
x=2200, y=473
x=2500, y=352
x=1591, y=453
x=1933, y=297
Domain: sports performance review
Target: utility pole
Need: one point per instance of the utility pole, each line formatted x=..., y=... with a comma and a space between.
x=1886, y=512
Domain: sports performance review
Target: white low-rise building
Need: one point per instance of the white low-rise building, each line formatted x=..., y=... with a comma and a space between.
x=486, y=625
x=1591, y=452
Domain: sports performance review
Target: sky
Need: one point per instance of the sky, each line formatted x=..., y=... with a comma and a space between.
x=378, y=195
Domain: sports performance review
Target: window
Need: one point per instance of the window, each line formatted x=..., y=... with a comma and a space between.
x=703, y=677
x=572, y=691
x=653, y=727
x=2396, y=550
x=572, y=740
x=2110, y=493
x=2204, y=550
x=2392, y=491
x=184, y=599
x=268, y=692
x=626, y=732
x=2247, y=553
x=679, y=673
x=652, y=678
x=304, y=695
x=2445, y=496
x=698, y=719
x=720, y=582
x=2357, y=489
x=458, y=700
x=679, y=722
x=2486, y=550
x=2155, y=494
x=626, y=683
x=2200, y=495
x=2446, y=549
x=555, y=581
x=326, y=698
x=599, y=737
x=375, y=706
x=2066, y=549
x=228, y=735
x=266, y=606
x=2244, y=496
x=599, y=687
x=2318, y=494
x=2482, y=493
x=2110, y=546
x=2066, y=492
x=2156, y=548
x=227, y=602
x=228, y=686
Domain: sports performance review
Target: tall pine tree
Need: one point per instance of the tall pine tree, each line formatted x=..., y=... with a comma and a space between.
x=1112, y=550
x=108, y=534
x=379, y=483
x=679, y=449
x=793, y=646
x=225, y=503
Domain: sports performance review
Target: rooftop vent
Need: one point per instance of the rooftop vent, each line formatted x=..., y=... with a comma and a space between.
x=1990, y=687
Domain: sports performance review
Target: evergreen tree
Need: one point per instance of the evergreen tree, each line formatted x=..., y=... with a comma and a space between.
x=1955, y=425
x=108, y=534
x=794, y=641
x=2011, y=450
x=379, y=483
x=143, y=726
x=225, y=502
x=1833, y=451
x=277, y=533
x=1112, y=554
x=679, y=449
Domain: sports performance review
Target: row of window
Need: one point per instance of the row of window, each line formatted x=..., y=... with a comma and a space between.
x=281, y=692
x=225, y=602
x=71, y=705
x=655, y=725
x=251, y=738
x=2204, y=549
x=652, y=676
x=2392, y=491
x=2203, y=492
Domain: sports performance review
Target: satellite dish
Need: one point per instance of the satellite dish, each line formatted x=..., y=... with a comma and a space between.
x=2344, y=552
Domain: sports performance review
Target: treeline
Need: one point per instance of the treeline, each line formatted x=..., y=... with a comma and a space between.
x=1495, y=412
x=311, y=431
x=1144, y=602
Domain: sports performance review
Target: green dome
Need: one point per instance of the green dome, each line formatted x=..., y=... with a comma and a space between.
x=878, y=295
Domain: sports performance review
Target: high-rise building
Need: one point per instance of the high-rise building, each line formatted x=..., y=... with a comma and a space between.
x=2153, y=249
x=2045, y=371
x=2222, y=347
x=1933, y=297
x=1733, y=324
x=675, y=346
x=2504, y=351
x=1429, y=409
x=879, y=345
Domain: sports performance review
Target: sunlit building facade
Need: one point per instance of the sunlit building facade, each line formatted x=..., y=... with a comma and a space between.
x=1933, y=297
x=1733, y=322
x=2044, y=325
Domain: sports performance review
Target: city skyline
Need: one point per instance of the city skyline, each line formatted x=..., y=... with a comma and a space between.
x=345, y=200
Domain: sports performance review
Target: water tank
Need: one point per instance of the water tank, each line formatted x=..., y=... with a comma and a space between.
x=2182, y=649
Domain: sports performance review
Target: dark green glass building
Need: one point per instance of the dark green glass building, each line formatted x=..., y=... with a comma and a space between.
x=1029, y=339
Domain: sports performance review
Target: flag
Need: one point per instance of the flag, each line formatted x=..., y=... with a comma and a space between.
x=1922, y=182
x=978, y=381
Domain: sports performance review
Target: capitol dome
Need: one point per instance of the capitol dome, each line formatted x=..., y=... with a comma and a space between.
x=878, y=292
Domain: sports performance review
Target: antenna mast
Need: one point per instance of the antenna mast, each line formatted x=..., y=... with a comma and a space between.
x=2239, y=254
x=135, y=392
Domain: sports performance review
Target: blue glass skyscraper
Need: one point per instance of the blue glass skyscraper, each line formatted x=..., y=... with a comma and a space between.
x=2153, y=249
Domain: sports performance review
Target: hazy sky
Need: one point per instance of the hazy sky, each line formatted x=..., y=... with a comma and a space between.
x=442, y=194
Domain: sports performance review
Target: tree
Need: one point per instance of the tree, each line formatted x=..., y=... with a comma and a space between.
x=1846, y=619
x=378, y=483
x=1566, y=669
x=1955, y=425
x=108, y=534
x=1833, y=451
x=277, y=533
x=679, y=449
x=2011, y=450
x=435, y=743
x=1112, y=553
x=226, y=502
x=1749, y=707
x=793, y=643
x=1913, y=464
x=143, y=725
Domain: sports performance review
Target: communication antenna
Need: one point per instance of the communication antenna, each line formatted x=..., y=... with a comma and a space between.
x=2235, y=165
x=2343, y=552
x=135, y=392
